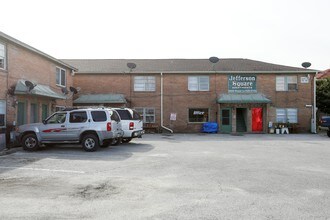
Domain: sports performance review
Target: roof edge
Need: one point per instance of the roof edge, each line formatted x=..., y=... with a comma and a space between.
x=26, y=46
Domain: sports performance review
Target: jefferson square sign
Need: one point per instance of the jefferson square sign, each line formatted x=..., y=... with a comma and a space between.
x=242, y=84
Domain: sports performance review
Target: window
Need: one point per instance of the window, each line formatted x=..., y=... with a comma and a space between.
x=286, y=83
x=198, y=115
x=44, y=111
x=2, y=112
x=124, y=114
x=285, y=115
x=147, y=114
x=57, y=118
x=59, y=108
x=78, y=117
x=136, y=115
x=115, y=116
x=21, y=113
x=60, y=76
x=144, y=83
x=2, y=56
x=198, y=83
x=99, y=116
x=33, y=113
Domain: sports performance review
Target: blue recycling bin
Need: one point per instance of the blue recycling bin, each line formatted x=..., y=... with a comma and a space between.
x=210, y=127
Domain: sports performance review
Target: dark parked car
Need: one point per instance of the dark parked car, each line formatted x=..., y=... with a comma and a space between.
x=325, y=124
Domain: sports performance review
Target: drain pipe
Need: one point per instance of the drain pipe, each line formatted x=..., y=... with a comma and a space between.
x=162, y=105
x=314, y=130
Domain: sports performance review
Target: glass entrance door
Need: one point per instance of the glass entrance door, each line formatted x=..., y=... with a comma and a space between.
x=225, y=120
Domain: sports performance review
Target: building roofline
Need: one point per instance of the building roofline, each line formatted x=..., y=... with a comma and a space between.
x=32, y=49
x=202, y=72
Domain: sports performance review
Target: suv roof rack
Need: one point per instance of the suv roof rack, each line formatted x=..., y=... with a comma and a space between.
x=69, y=109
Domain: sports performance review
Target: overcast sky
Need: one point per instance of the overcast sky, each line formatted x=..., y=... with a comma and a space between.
x=286, y=32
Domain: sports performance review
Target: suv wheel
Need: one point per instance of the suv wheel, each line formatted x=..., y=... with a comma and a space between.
x=90, y=142
x=30, y=142
x=328, y=133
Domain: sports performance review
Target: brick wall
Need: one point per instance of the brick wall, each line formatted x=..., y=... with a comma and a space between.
x=25, y=64
x=177, y=98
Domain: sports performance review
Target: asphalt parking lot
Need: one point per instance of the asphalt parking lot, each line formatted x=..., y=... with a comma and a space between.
x=183, y=176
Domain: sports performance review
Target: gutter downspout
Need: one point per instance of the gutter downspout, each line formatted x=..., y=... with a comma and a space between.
x=314, y=105
x=162, y=105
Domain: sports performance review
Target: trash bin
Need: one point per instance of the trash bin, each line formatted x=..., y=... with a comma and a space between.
x=210, y=127
x=278, y=131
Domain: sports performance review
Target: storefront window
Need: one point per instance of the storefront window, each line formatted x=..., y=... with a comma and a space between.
x=198, y=115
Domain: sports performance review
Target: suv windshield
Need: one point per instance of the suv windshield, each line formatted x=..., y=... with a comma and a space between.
x=57, y=118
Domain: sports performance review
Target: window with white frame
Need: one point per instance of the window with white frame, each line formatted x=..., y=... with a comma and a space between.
x=198, y=115
x=2, y=56
x=198, y=83
x=144, y=83
x=148, y=114
x=60, y=76
x=285, y=115
x=286, y=83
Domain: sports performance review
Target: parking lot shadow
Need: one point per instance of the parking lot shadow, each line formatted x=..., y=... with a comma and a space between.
x=23, y=159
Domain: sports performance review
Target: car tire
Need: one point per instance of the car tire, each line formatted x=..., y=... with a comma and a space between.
x=30, y=142
x=105, y=144
x=90, y=142
x=328, y=133
x=126, y=140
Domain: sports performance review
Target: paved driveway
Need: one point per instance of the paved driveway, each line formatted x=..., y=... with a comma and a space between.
x=195, y=176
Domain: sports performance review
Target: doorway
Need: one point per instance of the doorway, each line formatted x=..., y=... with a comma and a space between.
x=257, y=120
x=225, y=118
x=241, y=116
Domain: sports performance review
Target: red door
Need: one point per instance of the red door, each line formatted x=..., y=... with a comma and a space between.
x=257, y=119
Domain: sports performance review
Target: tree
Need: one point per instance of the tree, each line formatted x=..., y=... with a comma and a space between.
x=323, y=95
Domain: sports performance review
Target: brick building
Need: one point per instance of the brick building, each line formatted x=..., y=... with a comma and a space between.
x=241, y=95
x=31, y=83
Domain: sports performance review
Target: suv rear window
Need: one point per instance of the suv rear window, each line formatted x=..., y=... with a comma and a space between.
x=136, y=115
x=115, y=116
x=99, y=116
x=124, y=114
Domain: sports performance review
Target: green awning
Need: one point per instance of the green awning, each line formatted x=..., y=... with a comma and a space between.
x=38, y=90
x=100, y=99
x=243, y=98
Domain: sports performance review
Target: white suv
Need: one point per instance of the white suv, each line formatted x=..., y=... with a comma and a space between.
x=132, y=124
x=89, y=127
